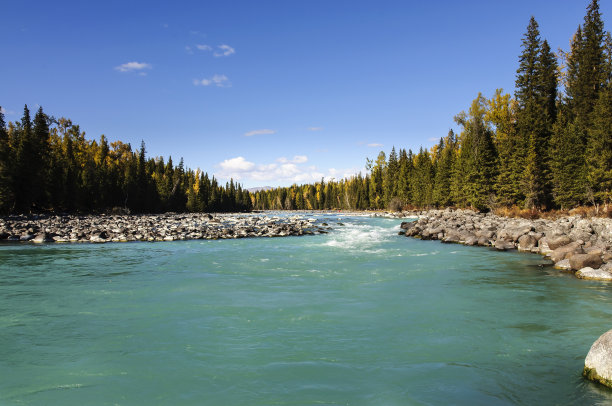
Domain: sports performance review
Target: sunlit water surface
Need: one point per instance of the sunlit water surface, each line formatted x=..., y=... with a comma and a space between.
x=360, y=316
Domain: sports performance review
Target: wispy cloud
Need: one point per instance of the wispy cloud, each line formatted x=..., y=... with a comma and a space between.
x=133, y=67
x=216, y=80
x=298, y=159
x=283, y=171
x=259, y=132
x=375, y=145
x=225, y=50
x=203, y=47
x=315, y=128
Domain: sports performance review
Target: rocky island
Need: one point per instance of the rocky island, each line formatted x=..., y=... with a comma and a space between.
x=159, y=227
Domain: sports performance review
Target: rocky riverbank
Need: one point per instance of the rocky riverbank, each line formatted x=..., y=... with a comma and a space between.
x=161, y=227
x=575, y=244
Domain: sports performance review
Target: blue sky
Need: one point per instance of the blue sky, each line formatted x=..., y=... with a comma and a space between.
x=268, y=92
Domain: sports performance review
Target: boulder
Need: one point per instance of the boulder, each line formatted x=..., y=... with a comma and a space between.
x=566, y=251
x=43, y=237
x=556, y=242
x=527, y=242
x=502, y=245
x=598, y=362
x=471, y=240
x=451, y=237
x=579, y=261
x=595, y=274
x=514, y=233
x=564, y=264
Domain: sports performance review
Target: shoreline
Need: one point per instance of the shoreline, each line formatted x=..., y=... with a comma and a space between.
x=574, y=244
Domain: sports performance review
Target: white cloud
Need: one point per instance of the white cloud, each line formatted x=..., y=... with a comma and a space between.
x=133, y=66
x=298, y=159
x=188, y=49
x=283, y=171
x=226, y=50
x=259, y=132
x=216, y=80
x=238, y=164
x=204, y=47
x=315, y=128
x=375, y=145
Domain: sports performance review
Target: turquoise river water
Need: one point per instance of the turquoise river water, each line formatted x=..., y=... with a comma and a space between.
x=360, y=316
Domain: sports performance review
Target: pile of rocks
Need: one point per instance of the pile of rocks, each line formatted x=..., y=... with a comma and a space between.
x=162, y=227
x=573, y=243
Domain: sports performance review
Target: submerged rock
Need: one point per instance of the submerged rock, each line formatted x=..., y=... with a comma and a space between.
x=598, y=362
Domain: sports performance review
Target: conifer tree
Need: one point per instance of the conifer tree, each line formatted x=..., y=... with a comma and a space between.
x=441, y=194
x=5, y=190
x=390, y=177
x=536, y=92
x=478, y=158
x=599, y=151
x=568, y=164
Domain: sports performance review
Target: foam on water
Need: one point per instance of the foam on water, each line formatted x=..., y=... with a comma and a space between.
x=360, y=237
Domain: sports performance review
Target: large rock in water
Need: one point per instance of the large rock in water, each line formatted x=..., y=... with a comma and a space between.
x=598, y=362
x=595, y=274
x=580, y=261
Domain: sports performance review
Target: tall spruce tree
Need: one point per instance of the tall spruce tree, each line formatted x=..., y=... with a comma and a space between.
x=478, y=158
x=441, y=194
x=5, y=189
x=599, y=151
x=569, y=169
x=591, y=69
x=40, y=160
x=536, y=91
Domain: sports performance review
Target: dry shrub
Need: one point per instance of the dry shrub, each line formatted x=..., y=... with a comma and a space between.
x=517, y=212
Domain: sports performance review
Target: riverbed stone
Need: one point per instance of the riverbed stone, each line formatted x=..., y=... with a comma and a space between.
x=579, y=261
x=527, y=242
x=43, y=237
x=502, y=245
x=559, y=241
x=564, y=264
x=594, y=274
x=566, y=251
x=598, y=362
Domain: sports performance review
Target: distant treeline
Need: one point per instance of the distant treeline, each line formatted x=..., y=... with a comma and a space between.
x=549, y=146
x=48, y=165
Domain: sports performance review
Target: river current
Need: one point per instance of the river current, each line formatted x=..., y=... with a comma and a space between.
x=359, y=316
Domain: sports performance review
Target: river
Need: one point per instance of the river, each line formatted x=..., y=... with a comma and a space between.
x=359, y=316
